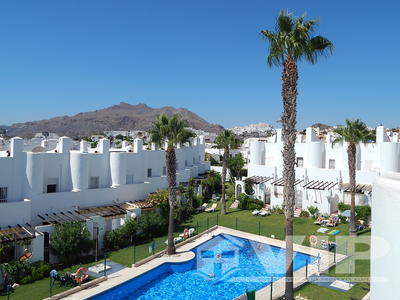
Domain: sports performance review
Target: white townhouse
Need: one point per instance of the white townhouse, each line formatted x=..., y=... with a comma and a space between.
x=99, y=186
x=322, y=178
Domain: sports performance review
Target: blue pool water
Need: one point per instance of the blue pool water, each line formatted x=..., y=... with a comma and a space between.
x=235, y=265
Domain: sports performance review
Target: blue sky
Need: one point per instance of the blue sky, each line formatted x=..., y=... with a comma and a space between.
x=64, y=57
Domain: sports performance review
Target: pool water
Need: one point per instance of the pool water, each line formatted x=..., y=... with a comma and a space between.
x=224, y=268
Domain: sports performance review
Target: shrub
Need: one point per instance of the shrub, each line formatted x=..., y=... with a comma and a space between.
x=277, y=210
x=151, y=224
x=70, y=240
x=304, y=214
x=343, y=219
x=342, y=207
x=183, y=213
x=198, y=200
x=230, y=192
x=115, y=239
x=25, y=272
x=27, y=279
x=245, y=202
x=363, y=212
x=18, y=270
x=314, y=211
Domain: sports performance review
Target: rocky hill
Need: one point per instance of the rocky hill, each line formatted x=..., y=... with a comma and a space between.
x=123, y=116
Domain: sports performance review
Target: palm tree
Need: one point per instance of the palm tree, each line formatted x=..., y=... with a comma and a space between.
x=225, y=140
x=353, y=133
x=292, y=41
x=172, y=131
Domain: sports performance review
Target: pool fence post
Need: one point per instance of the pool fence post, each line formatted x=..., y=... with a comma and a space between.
x=134, y=254
x=319, y=263
x=272, y=283
x=208, y=222
x=334, y=254
x=306, y=268
x=105, y=264
x=217, y=219
x=236, y=223
x=50, y=288
x=259, y=228
x=197, y=227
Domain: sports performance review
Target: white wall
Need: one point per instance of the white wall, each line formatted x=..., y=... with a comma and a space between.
x=385, y=248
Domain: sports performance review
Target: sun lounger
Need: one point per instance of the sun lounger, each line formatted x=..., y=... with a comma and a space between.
x=264, y=213
x=212, y=208
x=255, y=212
x=176, y=240
x=203, y=207
x=319, y=221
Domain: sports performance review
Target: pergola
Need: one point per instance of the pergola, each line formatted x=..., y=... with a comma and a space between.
x=360, y=188
x=281, y=181
x=17, y=233
x=61, y=218
x=257, y=179
x=110, y=211
x=320, y=185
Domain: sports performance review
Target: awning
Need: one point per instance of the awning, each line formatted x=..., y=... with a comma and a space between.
x=360, y=188
x=61, y=218
x=281, y=181
x=320, y=185
x=17, y=233
x=257, y=179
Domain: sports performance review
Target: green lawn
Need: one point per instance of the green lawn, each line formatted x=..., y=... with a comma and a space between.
x=242, y=220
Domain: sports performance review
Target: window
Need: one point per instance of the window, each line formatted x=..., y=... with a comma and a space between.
x=52, y=188
x=194, y=160
x=164, y=170
x=3, y=194
x=148, y=172
x=129, y=179
x=186, y=163
x=94, y=182
x=331, y=164
x=300, y=162
x=199, y=158
x=52, y=184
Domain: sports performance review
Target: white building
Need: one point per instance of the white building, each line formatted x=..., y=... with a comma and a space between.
x=41, y=189
x=322, y=169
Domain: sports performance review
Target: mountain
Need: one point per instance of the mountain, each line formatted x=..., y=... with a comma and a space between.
x=123, y=116
x=321, y=126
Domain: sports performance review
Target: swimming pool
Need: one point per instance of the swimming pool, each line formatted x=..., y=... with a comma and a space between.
x=224, y=267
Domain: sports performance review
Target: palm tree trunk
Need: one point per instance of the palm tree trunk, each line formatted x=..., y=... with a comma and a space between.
x=170, y=159
x=351, y=154
x=223, y=178
x=289, y=95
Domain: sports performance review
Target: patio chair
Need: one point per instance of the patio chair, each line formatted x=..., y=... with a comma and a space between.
x=212, y=208
x=319, y=221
